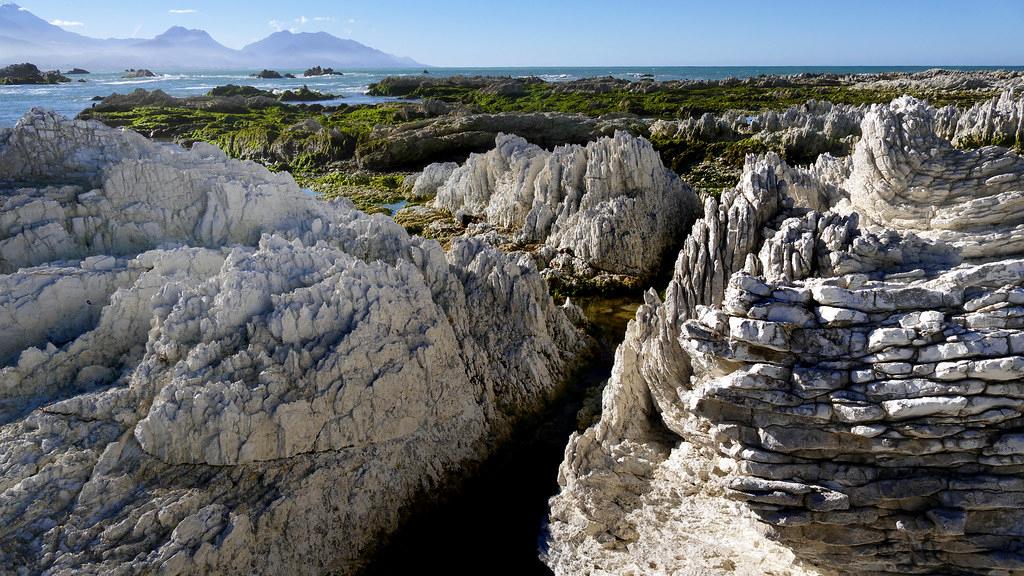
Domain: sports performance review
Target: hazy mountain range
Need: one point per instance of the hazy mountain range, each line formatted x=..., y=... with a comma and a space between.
x=25, y=37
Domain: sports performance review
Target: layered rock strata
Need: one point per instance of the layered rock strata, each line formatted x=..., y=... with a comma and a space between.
x=608, y=208
x=210, y=372
x=839, y=350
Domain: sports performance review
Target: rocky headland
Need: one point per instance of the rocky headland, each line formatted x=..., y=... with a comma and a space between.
x=703, y=130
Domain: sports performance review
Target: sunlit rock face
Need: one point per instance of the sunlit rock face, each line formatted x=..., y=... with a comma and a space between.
x=610, y=207
x=836, y=367
x=203, y=370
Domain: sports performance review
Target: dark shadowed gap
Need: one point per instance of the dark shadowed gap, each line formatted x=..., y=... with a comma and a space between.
x=496, y=523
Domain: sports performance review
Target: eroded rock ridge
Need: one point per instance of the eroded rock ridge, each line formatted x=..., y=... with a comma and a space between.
x=204, y=370
x=840, y=351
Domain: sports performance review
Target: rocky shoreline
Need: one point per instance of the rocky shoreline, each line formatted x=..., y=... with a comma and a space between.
x=210, y=370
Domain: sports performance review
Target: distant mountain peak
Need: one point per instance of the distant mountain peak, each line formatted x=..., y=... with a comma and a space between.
x=26, y=37
x=178, y=32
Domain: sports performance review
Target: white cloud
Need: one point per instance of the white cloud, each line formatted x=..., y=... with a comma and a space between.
x=182, y=11
x=351, y=20
x=281, y=26
x=66, y=23
x=135, y=32
x=297, y=24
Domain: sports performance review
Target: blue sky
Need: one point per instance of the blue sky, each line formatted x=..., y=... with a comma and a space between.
x=596, y=32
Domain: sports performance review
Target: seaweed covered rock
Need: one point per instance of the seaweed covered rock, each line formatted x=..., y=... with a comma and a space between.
x=215, y=373
x=453, y=137
x=837, y=356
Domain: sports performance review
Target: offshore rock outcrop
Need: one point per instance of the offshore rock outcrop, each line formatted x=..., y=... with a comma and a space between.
x=213, y=373
x=840, y=351
x=608, y=208
x=29, y=74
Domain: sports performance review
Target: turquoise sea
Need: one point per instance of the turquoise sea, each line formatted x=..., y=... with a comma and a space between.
x=69, y=99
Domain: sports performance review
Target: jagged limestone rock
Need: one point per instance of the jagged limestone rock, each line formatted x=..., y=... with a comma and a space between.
x=610, y=204
x=425, y=184
x=997, y=121
x=215, y=373
x=845, y=364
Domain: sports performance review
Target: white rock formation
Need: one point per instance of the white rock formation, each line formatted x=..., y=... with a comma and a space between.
x=611, y=204
x=997, y=121
x=839, y=349
x=209, y=372
x=425, y=184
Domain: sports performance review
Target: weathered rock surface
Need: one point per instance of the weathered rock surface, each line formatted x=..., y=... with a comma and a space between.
x=214, y=373
x=998, y=121
x=839, y=349
x=424, y=185
x=611, y=204
x=455, y=137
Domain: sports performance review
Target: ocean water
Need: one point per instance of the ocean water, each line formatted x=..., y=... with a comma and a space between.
x=71, y=98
